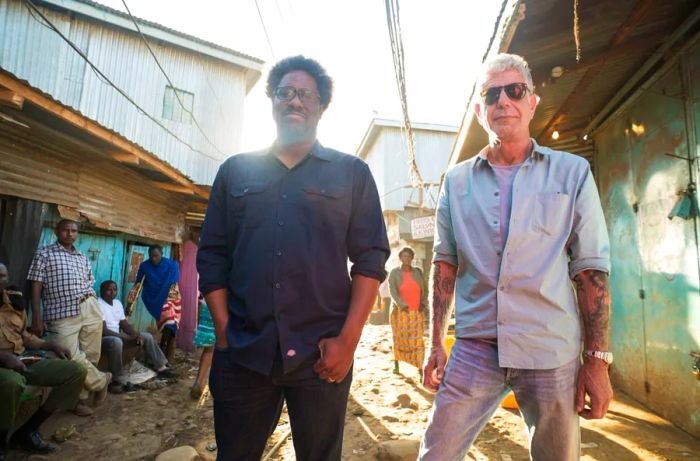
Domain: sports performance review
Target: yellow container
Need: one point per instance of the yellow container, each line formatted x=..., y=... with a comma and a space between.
x=449, y=342
x=509, y=402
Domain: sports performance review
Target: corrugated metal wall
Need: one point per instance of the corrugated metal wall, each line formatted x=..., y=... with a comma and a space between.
x=655, y=281
x=109, y=194
x=388, y=160
x=33, y=52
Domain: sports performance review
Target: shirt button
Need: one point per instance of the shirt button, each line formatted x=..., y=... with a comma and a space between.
x=496, y=194
x=284, y=196
x=498, y=253
x=281, y=223
x=245, y=190
x=277, y=285
x=323, y=191
x=495, y=222
x=279, y=253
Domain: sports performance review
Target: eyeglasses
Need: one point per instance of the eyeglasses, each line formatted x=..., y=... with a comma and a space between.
x=515, y=91
x=287, y=93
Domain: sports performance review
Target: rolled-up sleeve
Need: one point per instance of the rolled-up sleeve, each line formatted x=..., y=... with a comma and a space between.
x=367, y=242
x=589, y=245
x=445, y=247
x=213, y=260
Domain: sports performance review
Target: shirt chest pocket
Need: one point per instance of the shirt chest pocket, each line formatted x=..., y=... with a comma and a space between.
x=327, y=206
x=246, y=205
x=551, y=215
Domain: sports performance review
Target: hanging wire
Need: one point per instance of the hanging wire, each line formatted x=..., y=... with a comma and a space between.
x=170, y=82
x=397, y=52
x=106, y=79
x=577, y=30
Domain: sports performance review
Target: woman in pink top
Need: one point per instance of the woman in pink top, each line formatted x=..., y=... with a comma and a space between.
x=409, y=296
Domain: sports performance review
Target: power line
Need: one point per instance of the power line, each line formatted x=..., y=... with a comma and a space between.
x=106, y=79
x=397, y=52
x=177, y=96
x=269, y=43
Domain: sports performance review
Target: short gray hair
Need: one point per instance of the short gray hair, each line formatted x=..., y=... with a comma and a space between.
x=505, y=61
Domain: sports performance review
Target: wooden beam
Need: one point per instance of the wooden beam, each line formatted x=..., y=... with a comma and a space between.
x=197, y=207
x=170, y=187
x=11, y=99
x=55, y=108
x=639, y=12
x=125, y=157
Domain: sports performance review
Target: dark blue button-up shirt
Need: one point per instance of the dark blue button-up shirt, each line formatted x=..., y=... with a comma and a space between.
x=279, y=240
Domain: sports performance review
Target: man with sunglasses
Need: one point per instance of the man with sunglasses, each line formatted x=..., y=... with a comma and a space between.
x=515, y=225
x=279, y=229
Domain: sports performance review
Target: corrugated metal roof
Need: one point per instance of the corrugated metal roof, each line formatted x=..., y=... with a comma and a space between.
x=37, y=55
x=376, y=125
x=545, y=39
x=103, y=13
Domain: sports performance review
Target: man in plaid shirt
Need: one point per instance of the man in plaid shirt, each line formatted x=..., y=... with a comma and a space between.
x=62, y=279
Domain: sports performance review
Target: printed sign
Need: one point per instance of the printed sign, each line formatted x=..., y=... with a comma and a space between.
x=422, y=227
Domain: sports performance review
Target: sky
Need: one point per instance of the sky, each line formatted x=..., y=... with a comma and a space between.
x=444, y=41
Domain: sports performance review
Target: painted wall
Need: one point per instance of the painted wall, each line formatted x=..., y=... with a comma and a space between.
x=655, y=279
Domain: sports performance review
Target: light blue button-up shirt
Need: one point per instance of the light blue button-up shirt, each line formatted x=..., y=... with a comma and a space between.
x=522, y=295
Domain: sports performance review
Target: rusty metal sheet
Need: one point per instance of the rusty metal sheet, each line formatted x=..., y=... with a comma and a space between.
x=655, y=276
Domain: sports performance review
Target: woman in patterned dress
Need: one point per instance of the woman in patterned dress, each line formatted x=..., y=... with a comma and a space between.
x=409, y=296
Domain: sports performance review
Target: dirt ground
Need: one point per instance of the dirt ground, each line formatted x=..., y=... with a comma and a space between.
x=382, y=406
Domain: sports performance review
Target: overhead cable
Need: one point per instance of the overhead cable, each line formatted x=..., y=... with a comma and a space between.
x=177, y=96
x=106, y=79
x=267, y=36
x=397, y=52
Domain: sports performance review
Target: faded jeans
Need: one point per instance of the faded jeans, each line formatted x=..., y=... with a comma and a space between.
x=472, y=389
x=113, y=349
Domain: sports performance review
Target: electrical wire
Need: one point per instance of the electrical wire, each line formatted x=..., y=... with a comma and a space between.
x=269, y=43
x=397, y=52
x=170, y=82
x=106, y=79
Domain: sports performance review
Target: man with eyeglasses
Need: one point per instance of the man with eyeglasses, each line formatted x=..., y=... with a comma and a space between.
x=279, y=229
x=515, y=225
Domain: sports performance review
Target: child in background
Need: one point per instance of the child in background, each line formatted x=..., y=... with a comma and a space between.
x=204, y=337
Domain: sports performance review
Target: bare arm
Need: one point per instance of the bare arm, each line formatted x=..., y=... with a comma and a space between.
x=337, y=354
x=217, y=301
x=444, y=276
x=593, y=293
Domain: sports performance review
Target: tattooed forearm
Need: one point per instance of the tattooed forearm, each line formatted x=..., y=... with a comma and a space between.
x=593, y=293
x=443, y=285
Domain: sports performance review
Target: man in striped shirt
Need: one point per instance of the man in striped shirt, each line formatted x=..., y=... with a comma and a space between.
x=62, y=281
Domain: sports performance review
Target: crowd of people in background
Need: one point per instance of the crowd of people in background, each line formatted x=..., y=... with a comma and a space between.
x=79, y=328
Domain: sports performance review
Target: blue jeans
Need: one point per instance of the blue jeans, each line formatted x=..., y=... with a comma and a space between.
x=247, y=406
x=472, y=389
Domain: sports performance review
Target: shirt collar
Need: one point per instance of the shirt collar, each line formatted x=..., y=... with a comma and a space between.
x=536, y=148
x=317, y=150
x=58, y=247
x=321, y=152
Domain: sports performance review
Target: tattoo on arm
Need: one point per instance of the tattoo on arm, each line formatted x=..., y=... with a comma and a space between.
x=593, y=293
x=443, y=276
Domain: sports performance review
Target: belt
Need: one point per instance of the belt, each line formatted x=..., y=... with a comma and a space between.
x=85, y=298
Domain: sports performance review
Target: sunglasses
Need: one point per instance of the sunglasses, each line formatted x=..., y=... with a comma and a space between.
x=515, y=91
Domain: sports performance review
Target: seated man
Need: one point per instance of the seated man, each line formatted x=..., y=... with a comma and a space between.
x=19, y=367
x=117, y=333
